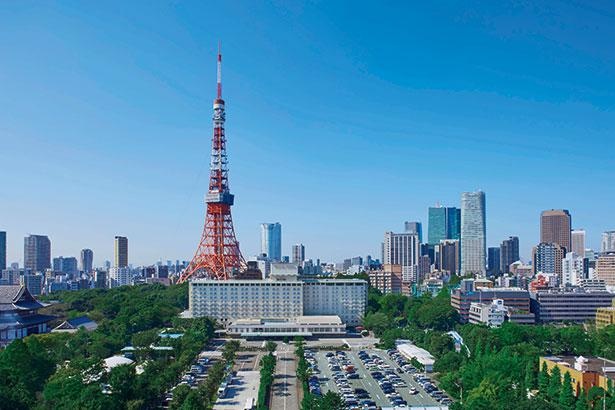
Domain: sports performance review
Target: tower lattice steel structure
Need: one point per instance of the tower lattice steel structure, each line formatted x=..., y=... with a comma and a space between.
x=218, y=255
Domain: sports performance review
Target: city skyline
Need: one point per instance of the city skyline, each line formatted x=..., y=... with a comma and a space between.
x=94, y=191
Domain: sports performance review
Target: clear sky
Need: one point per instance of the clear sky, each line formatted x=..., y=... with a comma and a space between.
x=344, y=119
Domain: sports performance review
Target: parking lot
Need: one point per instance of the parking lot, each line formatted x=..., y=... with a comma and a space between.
x=371, y=378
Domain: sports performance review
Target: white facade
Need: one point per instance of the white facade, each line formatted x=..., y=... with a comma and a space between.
x=401, y=249
x=577, y=237
x=491, y=314
x=285, y=298
x=473, y=233
x=119, y=277
x=227, y=300
x=346, y=298
x=572, y=269
x=608, y=242
x=300, y=326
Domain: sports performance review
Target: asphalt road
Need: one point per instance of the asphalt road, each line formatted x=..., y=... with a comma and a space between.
x=284, y=393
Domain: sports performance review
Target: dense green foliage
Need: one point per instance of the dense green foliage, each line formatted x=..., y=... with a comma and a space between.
x=267, y=370
x=498, y=366
x=63, y=371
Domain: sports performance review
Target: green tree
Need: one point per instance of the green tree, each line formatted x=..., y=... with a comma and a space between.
x=121, y=379
x=566, y=397
x=581, y=401
x=530, y=376
x=555, y=384
x=543, y=379
x=377, y=322
x=270, y=346
x=332, y=401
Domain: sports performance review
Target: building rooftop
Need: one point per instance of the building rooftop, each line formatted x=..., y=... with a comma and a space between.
x=422, y=355
x=587, y=364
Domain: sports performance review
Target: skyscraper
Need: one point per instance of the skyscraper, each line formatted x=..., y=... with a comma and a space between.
x=473, y=233
x=436, y=228
x=67, y=265
x=87, y=259
x=453, y=223
x=37, y=253
x=577, y=237
x=2, y=250
x=493, y=261
x=416, y=228
x=444, y=223
x=608, y=242
x=121, y=252
x=509, y=253
x=555, y=227
x=271, y=240
x=401, y=249
x=298, y=253
x=449, y=255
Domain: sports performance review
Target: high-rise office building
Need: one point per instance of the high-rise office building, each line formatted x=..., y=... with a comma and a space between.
x=555, y=228
x=66, y=265
x=444, y=223
x=493, y=261
x=2, y=250
x=449, y=256
x=577, y=241
x=547, y=258
x=608, y=242
x=87, y=259
x=509, y=253
x=37, y=253
x=298, y=253
x=453, y=223
x=414, y=227
x=121, y=252
x=271, y=240
x=473, y=233
x=401, y=249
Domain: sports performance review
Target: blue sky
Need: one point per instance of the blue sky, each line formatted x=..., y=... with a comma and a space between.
x=344, y=119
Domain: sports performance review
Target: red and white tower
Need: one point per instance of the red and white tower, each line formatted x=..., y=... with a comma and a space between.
x=218, y=255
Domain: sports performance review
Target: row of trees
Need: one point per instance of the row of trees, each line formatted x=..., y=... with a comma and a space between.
x=266, y=372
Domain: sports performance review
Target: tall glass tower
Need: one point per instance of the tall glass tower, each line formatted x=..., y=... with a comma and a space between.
x=473, y=233
x=271, y=240
x=444, y=223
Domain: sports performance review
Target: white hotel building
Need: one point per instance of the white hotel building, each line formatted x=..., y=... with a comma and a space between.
x=280, y=297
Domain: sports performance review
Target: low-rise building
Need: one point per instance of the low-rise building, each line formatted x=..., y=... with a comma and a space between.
x=568, y=305
x=491, y=314
x=605, y=316
x=585, y=372
x=304, y=326
x=514, y=298
x=410, y=351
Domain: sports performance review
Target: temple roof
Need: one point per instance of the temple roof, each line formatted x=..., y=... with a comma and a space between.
x=17, y=297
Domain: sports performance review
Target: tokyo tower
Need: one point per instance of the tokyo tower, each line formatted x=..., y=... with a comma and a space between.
x=218, y=255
